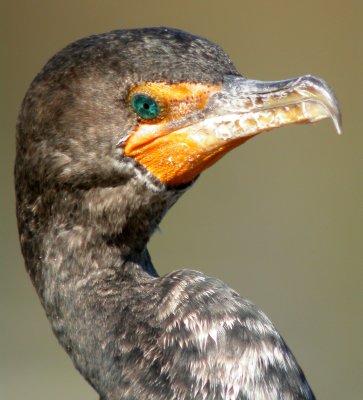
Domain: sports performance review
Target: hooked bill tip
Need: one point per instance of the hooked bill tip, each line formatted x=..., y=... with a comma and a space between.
x=327, y=97
x=337, y=120
x=257, y=95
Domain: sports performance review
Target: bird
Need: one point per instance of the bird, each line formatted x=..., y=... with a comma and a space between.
x=111, y=132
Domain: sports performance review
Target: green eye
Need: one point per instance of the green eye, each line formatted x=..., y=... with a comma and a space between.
x=145, y=106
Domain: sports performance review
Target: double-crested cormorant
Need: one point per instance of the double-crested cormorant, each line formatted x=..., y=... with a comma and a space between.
x=111, y=132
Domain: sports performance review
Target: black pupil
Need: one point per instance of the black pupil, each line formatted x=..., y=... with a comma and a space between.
x=145, y=106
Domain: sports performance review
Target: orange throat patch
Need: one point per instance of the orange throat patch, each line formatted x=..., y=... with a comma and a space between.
x=173, y=156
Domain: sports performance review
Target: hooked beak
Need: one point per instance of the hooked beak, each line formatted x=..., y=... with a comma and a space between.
x=177, y=151
x=244, y=108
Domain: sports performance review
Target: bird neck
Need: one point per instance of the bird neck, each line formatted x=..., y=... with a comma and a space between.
x=85, y=251
x=76, y=232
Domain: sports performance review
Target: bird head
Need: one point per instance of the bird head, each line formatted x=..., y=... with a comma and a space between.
x=116, y=126
x=163, y=101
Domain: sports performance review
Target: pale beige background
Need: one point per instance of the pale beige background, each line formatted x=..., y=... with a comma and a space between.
x=279, y=219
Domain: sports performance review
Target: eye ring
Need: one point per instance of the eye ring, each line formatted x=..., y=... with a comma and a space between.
x=145, y=106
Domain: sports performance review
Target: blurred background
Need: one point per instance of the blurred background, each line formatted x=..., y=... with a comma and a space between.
x=279, y=219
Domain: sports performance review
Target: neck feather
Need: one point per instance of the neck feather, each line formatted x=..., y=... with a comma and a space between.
x=84, y=228
x=85, y=250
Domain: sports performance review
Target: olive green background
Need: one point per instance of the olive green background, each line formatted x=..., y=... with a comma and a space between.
x=279, y=219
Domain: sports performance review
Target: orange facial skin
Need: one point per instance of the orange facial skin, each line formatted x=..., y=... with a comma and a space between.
x=176, y=149
x=175, y=157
